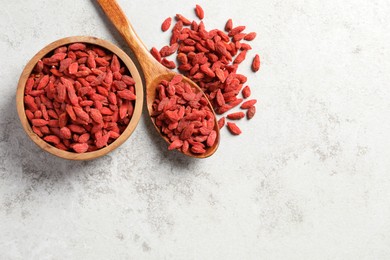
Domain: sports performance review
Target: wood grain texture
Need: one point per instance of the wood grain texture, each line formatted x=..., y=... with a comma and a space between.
x=153, y=71
x=89, y=155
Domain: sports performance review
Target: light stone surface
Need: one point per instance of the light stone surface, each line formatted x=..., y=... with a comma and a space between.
x=309, y=178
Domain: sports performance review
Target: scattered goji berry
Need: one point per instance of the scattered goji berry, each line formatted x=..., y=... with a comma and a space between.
x=256, y=63
x=250, y=36
x=211, y=59
x=167, y=63
x=250, y=113
x=233, y=128
x=221, y=122
x=246, y=92
x=248, y=104
x=199, y=12
x=236, y=115
x=166, y=24
x=229, y=25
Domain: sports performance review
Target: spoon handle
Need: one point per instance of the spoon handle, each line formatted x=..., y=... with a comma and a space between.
x=150, y=66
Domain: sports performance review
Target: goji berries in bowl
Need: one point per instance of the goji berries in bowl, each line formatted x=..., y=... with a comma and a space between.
x=79, y=98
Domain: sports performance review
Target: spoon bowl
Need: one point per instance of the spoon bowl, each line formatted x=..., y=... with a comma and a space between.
x=153, y=71
x=150, y=96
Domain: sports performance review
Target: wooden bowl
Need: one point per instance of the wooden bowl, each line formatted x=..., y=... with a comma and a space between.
x=73, y=155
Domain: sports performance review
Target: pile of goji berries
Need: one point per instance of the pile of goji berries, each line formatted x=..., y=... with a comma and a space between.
x=184, y=116
x=79, y=98
x=211, y=59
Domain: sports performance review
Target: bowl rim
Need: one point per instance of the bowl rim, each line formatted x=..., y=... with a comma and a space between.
x=134, y=71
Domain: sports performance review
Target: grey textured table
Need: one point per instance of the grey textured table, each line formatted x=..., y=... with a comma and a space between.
x=308, y=178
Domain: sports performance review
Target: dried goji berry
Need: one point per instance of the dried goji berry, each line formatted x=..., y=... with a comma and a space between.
x=128, y=80
x=250, y=36
x=43, y=82
x=52, y=139
x=30, y=103
x=77, y=47
x=37, y=131
x=84, y=138
x=80, y=113
x=115, y=65
x=250, y=113
x=256, y=63
x=73, y=68
x=166, y=24
x=236, y=115
x=80, y=147
x=102, y=141
x=183, y=19
x=211, y=138
x=248, y=104
x=240, y=57
x=66, y=133
x=39, y=122
x=221, y=122
x=175, y=144
x=156, y=54
x=199, y=12
x=167, y=63
x=236, y=30
x=229, y=25
x=233, y=128
x=126, y=94
x=246, y=92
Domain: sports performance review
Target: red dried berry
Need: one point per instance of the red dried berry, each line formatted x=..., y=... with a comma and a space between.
x=236, y=30
x=240, y=57
x=199, y=12
x=236, y=115
x=52, y=139
x=175, y=144
x=229, y=25
x=166, y=24
x=167, y=63
x=211, y=138
x=246, y=92
x=248, y=104
x=221, y=122
x=66, y=133
x=39, y=122
x=256, y=63
x=185, y=21
x=250, y=113
x=80, y=147
x=233, y=128
x=250, y=36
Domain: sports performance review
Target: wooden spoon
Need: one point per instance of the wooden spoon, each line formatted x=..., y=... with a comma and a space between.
x=153, y=71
